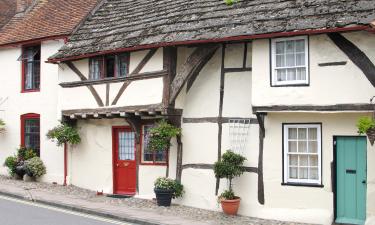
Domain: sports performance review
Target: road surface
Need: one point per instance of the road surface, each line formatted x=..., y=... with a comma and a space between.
x=18, y=212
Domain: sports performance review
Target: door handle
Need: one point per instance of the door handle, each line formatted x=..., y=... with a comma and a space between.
x=364, y=182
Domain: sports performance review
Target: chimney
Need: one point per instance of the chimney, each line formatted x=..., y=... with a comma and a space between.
x=22, y=5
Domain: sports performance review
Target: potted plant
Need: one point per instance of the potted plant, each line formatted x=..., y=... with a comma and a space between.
x=160, y=136
x=229, y=167
x=166, y=189
x=16, y=163
x=11, y=163
x=64, y=134
x=366, y=125
x=34, y=167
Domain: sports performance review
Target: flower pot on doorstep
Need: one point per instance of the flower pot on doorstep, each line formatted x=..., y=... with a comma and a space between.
x=163, y=197
x=230, y=207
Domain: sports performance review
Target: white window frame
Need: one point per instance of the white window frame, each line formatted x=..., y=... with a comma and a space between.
x=275, y=82
x=286, y=150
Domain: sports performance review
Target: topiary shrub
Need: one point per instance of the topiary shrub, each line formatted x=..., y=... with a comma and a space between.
x=63, y=134
x=35, y=167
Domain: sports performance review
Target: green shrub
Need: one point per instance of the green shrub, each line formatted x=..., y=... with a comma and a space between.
x=230, y=2
x=35, y=167
x=229, y=167
x=170, y=184
x=228, y=194
x=63, y=134
x=11, y=163
x=25, y=154
x=364, y=124
x=160, y=136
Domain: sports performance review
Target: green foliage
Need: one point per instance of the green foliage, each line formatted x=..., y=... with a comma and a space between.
x=11, y=163
x=364, y=124
x=227, y=195
x=160, y=136
x=2, y=125
x=170, y=184
x=24, y=154
x=230, y=2
x=64, y=133
x=35, y=167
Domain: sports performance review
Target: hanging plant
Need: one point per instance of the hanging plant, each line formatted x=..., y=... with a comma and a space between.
x=366, y=125
x=230, y=2
x=64, y=134
x=160, y=136
x=2, y=126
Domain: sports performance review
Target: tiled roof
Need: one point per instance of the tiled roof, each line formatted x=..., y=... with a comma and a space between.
x=122, y=24
x=7, y=10
x=47, y=18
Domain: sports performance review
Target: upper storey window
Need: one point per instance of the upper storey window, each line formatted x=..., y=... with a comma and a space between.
x=31, y=68
x=290, y=61
x=109, y=66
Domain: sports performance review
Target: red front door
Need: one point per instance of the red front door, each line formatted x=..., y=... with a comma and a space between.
x=124, y=163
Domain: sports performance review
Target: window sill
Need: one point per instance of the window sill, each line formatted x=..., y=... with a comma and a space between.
x=290, y=85
x=303, y=185
x=30, y=91
x=153, y=164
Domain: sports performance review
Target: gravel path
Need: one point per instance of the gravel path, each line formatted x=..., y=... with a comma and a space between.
x=136, y=203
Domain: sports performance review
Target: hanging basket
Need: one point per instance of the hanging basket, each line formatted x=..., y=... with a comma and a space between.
x=371, y=135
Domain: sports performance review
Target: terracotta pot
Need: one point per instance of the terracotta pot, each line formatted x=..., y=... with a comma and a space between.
x=230, y=207
x=371, y=135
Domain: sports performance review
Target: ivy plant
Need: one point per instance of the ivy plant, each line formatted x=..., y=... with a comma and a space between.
x=160, y=136
x=64, y=134
x=364, y=124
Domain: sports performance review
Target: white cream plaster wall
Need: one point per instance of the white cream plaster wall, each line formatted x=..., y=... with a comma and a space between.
x=43, y=103
x=307, y=204
x=328, y=85
x=147, y=175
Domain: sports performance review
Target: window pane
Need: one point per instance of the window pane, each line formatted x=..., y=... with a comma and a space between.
x=280, y=47
x=292, y=146
x=303, y=173
x=281, y=74
x=314, y=174
x=122, y=65
x=289, y=46
x=280, y=60
x=290, y=60
x=160, y=156
x=292, y=133
x=293, y=160
x=95, y=68
x=126, y=145
x=300, y=46
x=300, y=59
x=302, y=133
x=32, y=134
x=293, y=173
x=313, y=146
x=302, y=146
x=301, y=73
x=291, y=74
x=303, y=160
x=110, y=66
x=313, y=160
x=313, y=134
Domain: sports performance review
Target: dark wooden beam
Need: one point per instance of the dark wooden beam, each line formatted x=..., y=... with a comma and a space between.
x=134, y=77
x=342, y=63
x=234, y=70
x=338, y=107
x=262, y=134
x=358, y=57
x=107, y=91
x=169, y=65
x=124, y=109
x=179, y=158
x=83, y=78
x=191, y=67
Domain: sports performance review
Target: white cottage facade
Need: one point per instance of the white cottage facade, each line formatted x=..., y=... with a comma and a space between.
x=287, y=98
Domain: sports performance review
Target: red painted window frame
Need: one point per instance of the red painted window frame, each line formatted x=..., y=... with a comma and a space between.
x=103, y=74
x=23, y=76
x=26, y=117
x=149, y=163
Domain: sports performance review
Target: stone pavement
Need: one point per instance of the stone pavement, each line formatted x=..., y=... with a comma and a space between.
x=131, y=210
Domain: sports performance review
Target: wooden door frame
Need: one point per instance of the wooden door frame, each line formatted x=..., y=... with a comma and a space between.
x=334, y=171
x=114, y=146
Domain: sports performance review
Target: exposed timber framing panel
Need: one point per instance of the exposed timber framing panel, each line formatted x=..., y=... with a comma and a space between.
x=135, y=71
x=358, y=57
x=216, y=120
x=83, y=78
x=204, y=166
x=169, y=65
x=191, y=68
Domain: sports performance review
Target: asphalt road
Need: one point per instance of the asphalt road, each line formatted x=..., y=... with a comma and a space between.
x=17, y=212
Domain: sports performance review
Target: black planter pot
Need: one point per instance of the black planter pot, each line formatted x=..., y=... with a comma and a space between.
x=20, y=170
x=163, y=197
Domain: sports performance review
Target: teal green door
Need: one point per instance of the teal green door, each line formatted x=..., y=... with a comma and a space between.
x=351, y=180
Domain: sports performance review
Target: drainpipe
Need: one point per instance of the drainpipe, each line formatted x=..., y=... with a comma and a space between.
x=65, y=162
